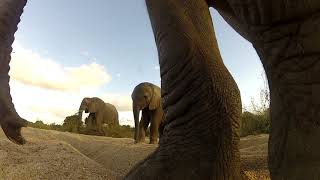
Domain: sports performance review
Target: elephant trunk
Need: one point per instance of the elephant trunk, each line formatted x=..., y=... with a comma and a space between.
x=136, y=111
x=11, y=122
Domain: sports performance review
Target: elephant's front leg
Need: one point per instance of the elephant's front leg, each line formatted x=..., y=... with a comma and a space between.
x=143, y=125
x=155, y=124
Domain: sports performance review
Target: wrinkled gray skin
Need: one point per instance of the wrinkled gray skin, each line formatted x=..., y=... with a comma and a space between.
x=100, y=112
x=200, y=98
x=10, y=121
x=146, y=97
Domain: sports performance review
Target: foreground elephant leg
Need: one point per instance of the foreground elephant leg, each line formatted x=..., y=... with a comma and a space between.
x=11, y=122
x=200, y=98
x=286, y=35
x=291, y=57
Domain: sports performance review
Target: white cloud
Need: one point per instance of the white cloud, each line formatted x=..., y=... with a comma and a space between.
x=43, y=89
x=126, y=118
x=30, y=68
x=122, y=102
x=50, y=106
x=157, y=67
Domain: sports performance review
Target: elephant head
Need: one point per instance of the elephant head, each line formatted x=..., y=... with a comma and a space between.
x=144, y=95
x=90, y=105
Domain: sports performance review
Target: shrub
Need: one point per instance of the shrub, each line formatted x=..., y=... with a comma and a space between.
x=124, y=131
x=259, y=121
x=39, y=124
x=254, y=123
x=72, y=124
x=56, y=127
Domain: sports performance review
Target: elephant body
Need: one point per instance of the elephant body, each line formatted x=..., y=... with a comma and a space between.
x=100, y=113
x=200, y=99
x=146, y=97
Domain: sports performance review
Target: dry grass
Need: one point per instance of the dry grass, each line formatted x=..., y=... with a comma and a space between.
x=59, y=155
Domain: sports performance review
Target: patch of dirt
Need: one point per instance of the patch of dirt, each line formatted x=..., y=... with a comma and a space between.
x=60, y=155
x=254, y=151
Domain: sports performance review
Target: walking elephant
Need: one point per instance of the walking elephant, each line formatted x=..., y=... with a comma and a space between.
x=200, y=98
x=100, y=113
x=146, y=97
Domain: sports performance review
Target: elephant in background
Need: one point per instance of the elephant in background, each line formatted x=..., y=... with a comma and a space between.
x=100, y=113
x=146, y=97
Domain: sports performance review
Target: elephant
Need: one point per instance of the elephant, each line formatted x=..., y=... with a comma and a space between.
x=100, y=113
x=146, y=97
x=200, y=98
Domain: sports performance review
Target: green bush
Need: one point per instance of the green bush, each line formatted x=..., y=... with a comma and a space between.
x=39, y=124
x=124, y=131
x=259, y=121
x=254, y=123
x=72, y=124
x=56, y=127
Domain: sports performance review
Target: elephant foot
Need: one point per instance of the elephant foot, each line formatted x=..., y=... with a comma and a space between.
x=11, y=126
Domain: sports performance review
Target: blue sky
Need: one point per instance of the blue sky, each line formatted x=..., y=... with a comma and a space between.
x=117, y=38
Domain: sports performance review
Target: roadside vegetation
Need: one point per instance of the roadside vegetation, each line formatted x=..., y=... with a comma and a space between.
x=256, y=119
x=74, y=125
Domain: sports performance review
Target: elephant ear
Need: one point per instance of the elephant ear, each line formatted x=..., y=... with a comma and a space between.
x=155, y=101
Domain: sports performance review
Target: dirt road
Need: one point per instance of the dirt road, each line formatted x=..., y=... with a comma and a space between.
x=60, y=155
